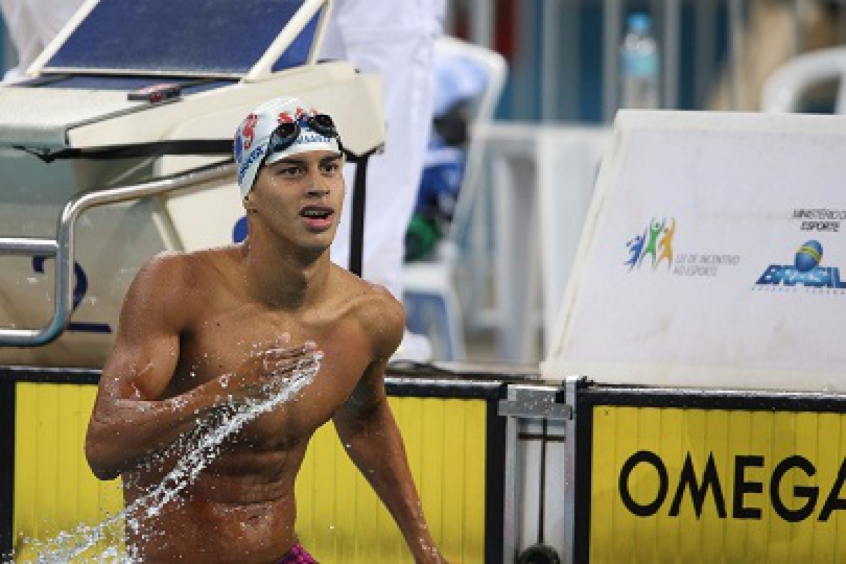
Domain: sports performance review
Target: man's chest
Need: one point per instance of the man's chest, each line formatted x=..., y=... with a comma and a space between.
x=306, y=396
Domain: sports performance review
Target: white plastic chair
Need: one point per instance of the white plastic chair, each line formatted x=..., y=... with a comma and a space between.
x=430, y=296
x=784, y=88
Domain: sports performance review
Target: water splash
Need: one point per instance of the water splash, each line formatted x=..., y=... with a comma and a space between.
x=196, y=449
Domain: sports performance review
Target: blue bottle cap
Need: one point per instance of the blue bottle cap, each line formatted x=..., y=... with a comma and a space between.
x=640, y=23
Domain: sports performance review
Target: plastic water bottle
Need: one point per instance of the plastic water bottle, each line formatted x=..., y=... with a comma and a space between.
x=640, y=65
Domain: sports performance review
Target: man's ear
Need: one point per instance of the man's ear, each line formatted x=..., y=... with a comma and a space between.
x=249, y=205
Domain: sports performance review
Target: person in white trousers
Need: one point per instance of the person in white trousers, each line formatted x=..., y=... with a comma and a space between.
x=395, y=38
x=32, y=25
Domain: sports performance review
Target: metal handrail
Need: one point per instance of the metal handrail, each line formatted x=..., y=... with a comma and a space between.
x=62, y=247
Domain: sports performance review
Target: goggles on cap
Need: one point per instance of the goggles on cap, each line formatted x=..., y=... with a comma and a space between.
x=288, y=132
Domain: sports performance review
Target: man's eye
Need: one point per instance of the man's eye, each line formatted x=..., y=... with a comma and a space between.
x=331, y=167
x=288, y=171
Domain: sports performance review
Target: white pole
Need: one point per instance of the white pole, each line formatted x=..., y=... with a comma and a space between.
x=735, y=54
x=612, y=35
x=482, y=19
x=550, y=60
x=703, y=68
x=671, y=50
x=797, y=27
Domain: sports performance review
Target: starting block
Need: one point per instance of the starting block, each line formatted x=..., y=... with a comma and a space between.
x=120, y=147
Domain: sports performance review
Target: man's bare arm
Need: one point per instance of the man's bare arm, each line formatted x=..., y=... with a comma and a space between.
x=129, y=419
x=366, y=425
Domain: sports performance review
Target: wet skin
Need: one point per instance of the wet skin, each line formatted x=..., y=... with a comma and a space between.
x=202, y=331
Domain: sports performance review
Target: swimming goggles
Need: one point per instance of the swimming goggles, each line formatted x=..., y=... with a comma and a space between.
x=287, y=133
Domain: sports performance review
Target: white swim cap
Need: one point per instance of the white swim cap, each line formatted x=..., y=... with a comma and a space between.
x=277, y=129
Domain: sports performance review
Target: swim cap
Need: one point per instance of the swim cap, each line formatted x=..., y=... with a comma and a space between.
x=252, y=138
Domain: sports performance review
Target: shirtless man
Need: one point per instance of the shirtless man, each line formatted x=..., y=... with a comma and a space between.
x=203, y=333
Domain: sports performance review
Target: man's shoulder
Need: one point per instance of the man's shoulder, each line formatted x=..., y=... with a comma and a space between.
x=375, y=310
x=174, y=288
x=175, y=272
x=168, y=269
x=367, y=297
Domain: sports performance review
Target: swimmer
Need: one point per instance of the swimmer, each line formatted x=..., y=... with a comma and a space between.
x=203, y=332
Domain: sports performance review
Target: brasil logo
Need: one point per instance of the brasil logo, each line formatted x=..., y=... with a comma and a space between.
x=805, y=271
x=808, y=256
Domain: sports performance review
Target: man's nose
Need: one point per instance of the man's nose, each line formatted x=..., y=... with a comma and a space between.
x=318, y=191
x=319, y=186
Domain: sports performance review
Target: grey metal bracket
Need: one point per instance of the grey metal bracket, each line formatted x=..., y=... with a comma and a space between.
x=526, y=401
x=523, y=401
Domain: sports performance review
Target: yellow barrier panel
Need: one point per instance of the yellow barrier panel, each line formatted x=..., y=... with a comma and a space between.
x=340, y=518
x=696, y=485
x=55, y=490
x=341, y=521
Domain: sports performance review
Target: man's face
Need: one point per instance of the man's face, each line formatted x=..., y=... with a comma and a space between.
x=299, y=198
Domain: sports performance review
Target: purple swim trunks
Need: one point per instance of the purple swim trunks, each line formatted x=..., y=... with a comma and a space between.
x=297, y=555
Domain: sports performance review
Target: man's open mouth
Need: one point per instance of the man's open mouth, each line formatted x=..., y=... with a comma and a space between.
x=313, y=212
x=318, y=218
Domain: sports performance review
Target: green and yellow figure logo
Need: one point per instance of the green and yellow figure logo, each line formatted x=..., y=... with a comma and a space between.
x=655, y=241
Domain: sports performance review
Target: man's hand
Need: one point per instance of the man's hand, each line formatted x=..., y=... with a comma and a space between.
x=267, y=371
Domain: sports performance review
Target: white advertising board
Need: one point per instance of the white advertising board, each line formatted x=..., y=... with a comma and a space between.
x=712, y=256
